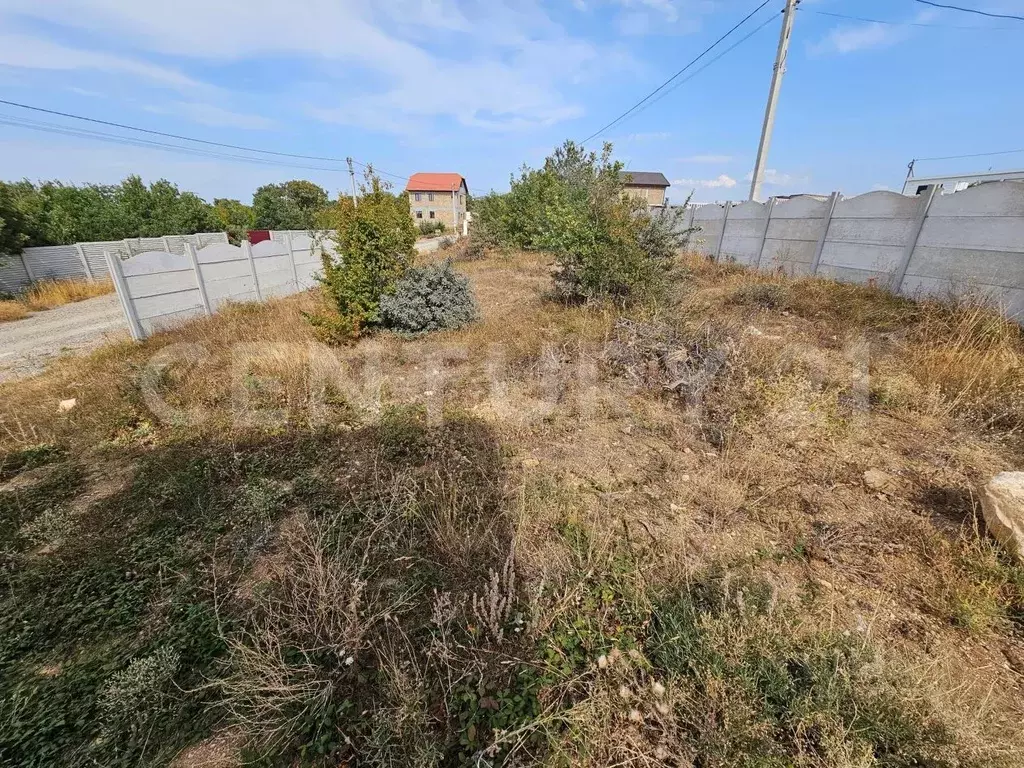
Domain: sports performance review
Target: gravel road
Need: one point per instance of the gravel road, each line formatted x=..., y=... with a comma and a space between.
x=26, y=346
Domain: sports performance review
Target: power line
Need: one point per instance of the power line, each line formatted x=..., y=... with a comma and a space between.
x=198, y=141
x=64, y=130
x=979, y=154
x=707, y=50
x=696, y=72
x=971, y=10
x=145, y=143
x=912, y=23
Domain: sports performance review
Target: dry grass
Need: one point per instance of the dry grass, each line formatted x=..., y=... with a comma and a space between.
x=12, y=310
x=515, y=501
x=48, y=294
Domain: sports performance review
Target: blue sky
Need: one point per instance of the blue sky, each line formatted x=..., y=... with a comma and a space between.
x=482, y=86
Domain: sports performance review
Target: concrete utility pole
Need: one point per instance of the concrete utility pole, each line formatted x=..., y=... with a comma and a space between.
x=352, y=177
x=773, y=98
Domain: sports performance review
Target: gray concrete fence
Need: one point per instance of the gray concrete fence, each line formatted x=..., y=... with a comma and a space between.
x=159, y=289
x=86, y=260
x=931, y=244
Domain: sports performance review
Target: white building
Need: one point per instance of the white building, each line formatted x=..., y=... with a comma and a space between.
x=915, y=185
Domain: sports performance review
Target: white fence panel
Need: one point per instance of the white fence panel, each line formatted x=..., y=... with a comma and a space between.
x=793, y=233
x=968, y=242
x=226, y=274
x=62, y=262
x=160, y=288
x=744, y=233
x=274, y=268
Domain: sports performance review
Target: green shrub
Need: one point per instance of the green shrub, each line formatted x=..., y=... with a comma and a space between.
x=606, y=244
x=431, y=227
x=430, y=298
x=138, y=693
x=374, y=248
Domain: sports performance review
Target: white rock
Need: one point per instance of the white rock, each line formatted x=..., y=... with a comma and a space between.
x=1002, y=503
x=66, y=405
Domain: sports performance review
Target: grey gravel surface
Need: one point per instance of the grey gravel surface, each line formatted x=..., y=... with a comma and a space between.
x=28, y=345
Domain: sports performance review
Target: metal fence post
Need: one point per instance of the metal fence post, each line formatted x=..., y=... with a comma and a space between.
x=824, y=233
x=247, y=250
x=770, y=206
x=85, y=262
x=194, y=259
x=908, y=251
x=721, y=237
x=121, y=286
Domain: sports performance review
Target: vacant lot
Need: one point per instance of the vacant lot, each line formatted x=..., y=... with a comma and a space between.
x=736, y=530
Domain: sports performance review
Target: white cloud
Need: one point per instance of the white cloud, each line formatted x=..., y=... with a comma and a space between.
x=722, y=182
x=641, y=137
x=26, y=52
x=774, y=178
x=499, y=64
x=711, y=159
x=212, y=115
x=850, y=38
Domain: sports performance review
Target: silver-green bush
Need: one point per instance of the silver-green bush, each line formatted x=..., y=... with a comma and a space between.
x=430, y=298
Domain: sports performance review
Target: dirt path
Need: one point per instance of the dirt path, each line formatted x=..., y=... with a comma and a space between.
x=26, y=346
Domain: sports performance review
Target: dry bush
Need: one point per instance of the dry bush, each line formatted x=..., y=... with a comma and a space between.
x=301, y=643
x=12, y=310
x=974, y=356
x=56, y=293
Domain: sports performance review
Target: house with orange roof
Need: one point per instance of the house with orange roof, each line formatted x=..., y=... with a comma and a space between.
x=437, y=197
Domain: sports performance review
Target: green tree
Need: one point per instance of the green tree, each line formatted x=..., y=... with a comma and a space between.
x=234, y=217
x=13, y=223
x=606, y=244
x=375, y=246
x=293, y=204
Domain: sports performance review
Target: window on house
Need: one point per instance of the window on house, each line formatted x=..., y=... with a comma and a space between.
x=418, y=197
x=431, y=214
x=430, y=196
x=419, y=214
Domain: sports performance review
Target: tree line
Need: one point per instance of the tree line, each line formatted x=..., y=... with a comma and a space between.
x=55, y=213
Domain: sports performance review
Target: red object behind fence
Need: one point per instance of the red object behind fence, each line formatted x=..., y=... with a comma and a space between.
x=258, y=235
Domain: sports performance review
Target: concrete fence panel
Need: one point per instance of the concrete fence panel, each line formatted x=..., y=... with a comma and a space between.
x=868, y=235
x=158, y=289
x=793, y=233
x=274, y=270
x=13, y=275
x=88, y=260
x=226, y=274
x=307, y=260
x=163, y=289
x=970, y=241
x=709, y=220
x=744, y=234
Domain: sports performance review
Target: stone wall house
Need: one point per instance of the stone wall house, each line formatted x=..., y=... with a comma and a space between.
x=438, y=197
x=649, y=186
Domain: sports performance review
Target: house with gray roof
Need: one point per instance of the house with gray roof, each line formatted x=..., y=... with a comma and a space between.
x=649, y=186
